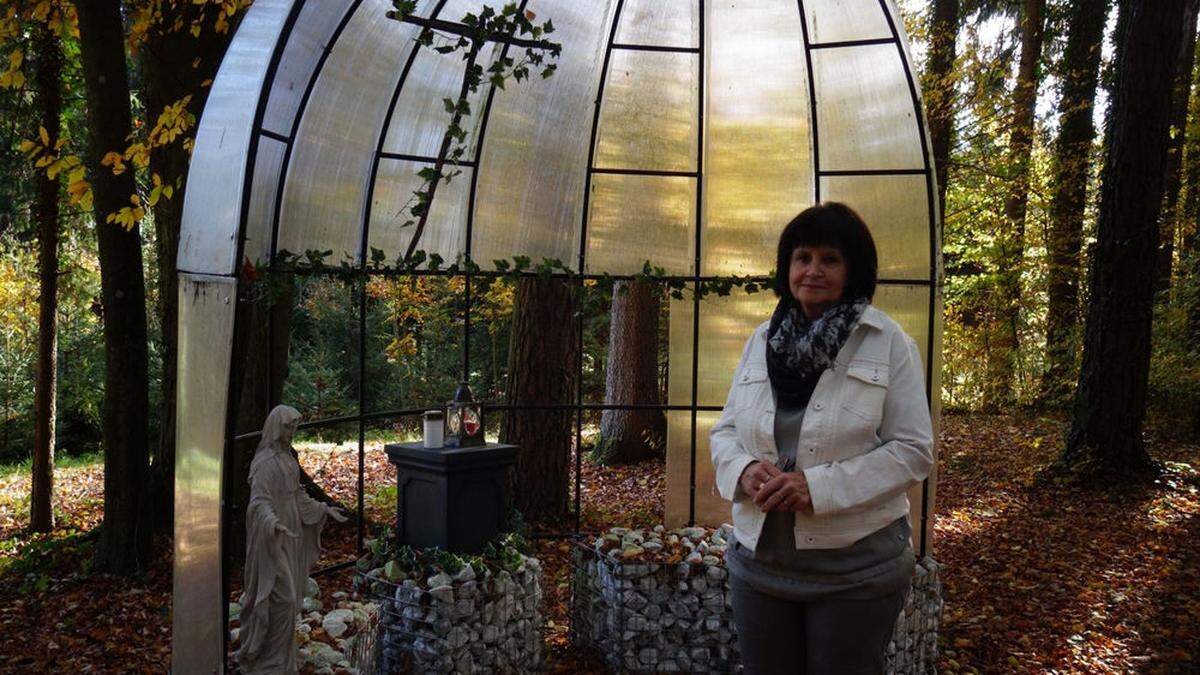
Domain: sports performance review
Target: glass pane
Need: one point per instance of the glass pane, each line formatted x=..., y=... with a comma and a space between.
x=758, y=153
x=265, y=191
x=312, y=31
x=323, y=198
x=725, y=325
x=445, y=231
x=865, y=113
x=662, y=23
x=711, y=510
x=532, y=176
x=206, y=309
x=212, y=207
x=839, y=20
x=896, y=210
x=648, y=118
x=909, y=306
x=420, y=118
x=635, y=218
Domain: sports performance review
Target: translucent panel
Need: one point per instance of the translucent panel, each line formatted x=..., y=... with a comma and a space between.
x=635, y=218
x=305, y=44
x=420, y=118
x=758, y=150
x=648, y=118
x=710, y=508
x=532, y=176
x=864, y=110
x=212, y=205
x=840, y=20
x=909, y=306
x=324, y=193
x=662, y=23
x=263, y=195
x=446, y=230
x=725, y=325
x=897, y=211
x=206, y=309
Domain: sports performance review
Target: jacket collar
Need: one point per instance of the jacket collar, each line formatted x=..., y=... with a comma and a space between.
x=872, y=317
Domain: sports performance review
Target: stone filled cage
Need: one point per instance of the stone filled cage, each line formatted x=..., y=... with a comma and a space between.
x=691, y=128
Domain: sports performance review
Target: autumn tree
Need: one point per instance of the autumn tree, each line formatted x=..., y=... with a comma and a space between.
x=631, y=376
x=46, y=213
x=543, y=370
x=939, y=89
x=1072, y=153
x=1007, y=298
x=124, y=539
x=179, y=44
x=1110, y=402
x=1173, y=180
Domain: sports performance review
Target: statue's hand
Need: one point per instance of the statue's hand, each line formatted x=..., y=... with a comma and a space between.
x=280, y=528
x=335, y=513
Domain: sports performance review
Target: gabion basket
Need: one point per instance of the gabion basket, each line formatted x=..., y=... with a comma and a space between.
x=652, y=617
x=490, y=624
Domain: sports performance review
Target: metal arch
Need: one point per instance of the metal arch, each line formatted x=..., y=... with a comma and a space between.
x=227, y=135
x=931, y=202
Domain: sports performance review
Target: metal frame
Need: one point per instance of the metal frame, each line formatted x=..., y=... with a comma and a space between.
x=359, y=276
x=695, y=279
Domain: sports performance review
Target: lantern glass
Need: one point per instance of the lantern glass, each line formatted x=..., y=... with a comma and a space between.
x=470, y=420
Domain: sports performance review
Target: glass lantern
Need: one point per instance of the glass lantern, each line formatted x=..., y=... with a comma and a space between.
x=464, y=419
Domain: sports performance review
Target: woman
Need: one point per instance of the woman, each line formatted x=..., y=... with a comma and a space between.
x=825, y=429
x=283, y=540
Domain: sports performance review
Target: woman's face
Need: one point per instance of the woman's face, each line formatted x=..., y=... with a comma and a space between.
x=817, y=277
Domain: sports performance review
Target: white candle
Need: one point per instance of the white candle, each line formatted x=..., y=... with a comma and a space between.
x=434, y=429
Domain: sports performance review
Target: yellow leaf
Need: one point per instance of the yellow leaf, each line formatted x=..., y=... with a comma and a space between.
x=169, y=191
x=27, y=145
x=195, y=31
x=45, y=135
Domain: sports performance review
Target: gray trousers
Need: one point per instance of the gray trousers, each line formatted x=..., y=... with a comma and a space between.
x=821, y=636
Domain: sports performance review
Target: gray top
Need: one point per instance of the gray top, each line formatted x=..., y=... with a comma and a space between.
x=876, y=565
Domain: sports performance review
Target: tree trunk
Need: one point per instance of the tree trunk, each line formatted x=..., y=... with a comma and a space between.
x=632, y=377
x=1007, y=301
x=543, y=369
x=124, y=543
x=1170, y=218
x=1072, y=154
x=175, y=64
x=49, y=76
x=939, y=90
x=1110, y=401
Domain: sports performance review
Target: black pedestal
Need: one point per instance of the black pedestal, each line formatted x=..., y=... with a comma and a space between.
x=452, y=498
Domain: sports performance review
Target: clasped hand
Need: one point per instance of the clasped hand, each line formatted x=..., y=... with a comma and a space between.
x=775, y=490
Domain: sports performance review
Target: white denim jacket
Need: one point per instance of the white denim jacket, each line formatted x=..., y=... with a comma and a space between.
x=865, y=439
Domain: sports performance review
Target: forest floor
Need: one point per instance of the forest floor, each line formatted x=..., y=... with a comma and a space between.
x=1040, y=574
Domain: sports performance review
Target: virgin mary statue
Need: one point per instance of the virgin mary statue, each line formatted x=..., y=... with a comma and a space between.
x=283, y=540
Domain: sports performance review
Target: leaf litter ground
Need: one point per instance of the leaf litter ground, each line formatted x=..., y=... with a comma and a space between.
x=1041, y=574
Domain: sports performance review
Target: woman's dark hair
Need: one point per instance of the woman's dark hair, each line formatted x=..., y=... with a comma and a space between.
x=837, y=225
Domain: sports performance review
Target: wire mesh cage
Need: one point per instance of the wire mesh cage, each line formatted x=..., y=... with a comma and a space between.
x=653, y=616
x=466, y=623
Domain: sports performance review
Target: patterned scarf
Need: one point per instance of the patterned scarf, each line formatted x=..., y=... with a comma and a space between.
x=799, y=349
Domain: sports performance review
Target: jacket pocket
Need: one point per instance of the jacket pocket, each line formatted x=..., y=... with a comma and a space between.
x=749, y=387
x=866, y=390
